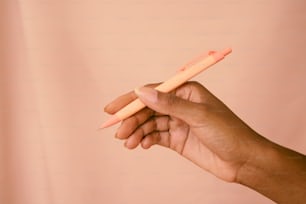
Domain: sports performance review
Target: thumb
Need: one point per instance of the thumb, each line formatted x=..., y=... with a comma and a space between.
x=170, y=104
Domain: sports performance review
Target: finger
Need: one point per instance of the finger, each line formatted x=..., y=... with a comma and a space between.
x=170, y=104
x=160, y=123
x=152, y=125
x=160, y=138
x=195, y=92
x=129, y=125
x=120, y=102
x=123, y=100
x=133, y=141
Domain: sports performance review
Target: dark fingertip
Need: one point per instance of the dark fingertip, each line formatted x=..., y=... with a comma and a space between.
x=118, y=134
x=108, y=109
x=145, y=144
x=128, y=145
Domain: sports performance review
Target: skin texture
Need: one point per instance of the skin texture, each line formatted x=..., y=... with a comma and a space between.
x=194, y=123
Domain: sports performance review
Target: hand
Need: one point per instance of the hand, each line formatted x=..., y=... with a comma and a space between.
x=191, y=121
x=194, y=123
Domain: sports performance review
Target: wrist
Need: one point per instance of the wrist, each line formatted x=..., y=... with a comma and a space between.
x=276, y=172
x=263, y=152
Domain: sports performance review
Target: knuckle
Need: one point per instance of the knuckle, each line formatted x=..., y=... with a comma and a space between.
x=152, y=85
x=140, y=132
x=172, y=100
x=154, y=124
x=195, y=85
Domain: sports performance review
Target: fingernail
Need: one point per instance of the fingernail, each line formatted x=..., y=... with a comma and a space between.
x=146, y=93
x=127, y=144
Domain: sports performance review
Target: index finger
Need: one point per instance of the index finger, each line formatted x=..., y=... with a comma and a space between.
x=120, y=102
x=123, y=100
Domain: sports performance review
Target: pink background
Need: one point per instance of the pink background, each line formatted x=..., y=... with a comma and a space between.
x=61, y=61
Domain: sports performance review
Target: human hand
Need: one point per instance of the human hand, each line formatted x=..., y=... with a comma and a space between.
x=191, y=121
x=197, y=125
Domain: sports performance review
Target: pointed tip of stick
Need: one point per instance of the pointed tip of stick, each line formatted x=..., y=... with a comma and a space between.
x=111, y=121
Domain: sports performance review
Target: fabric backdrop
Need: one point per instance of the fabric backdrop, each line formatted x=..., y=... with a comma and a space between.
x=61, y=61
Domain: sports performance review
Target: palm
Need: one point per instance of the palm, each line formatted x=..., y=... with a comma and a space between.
x=185, y=141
